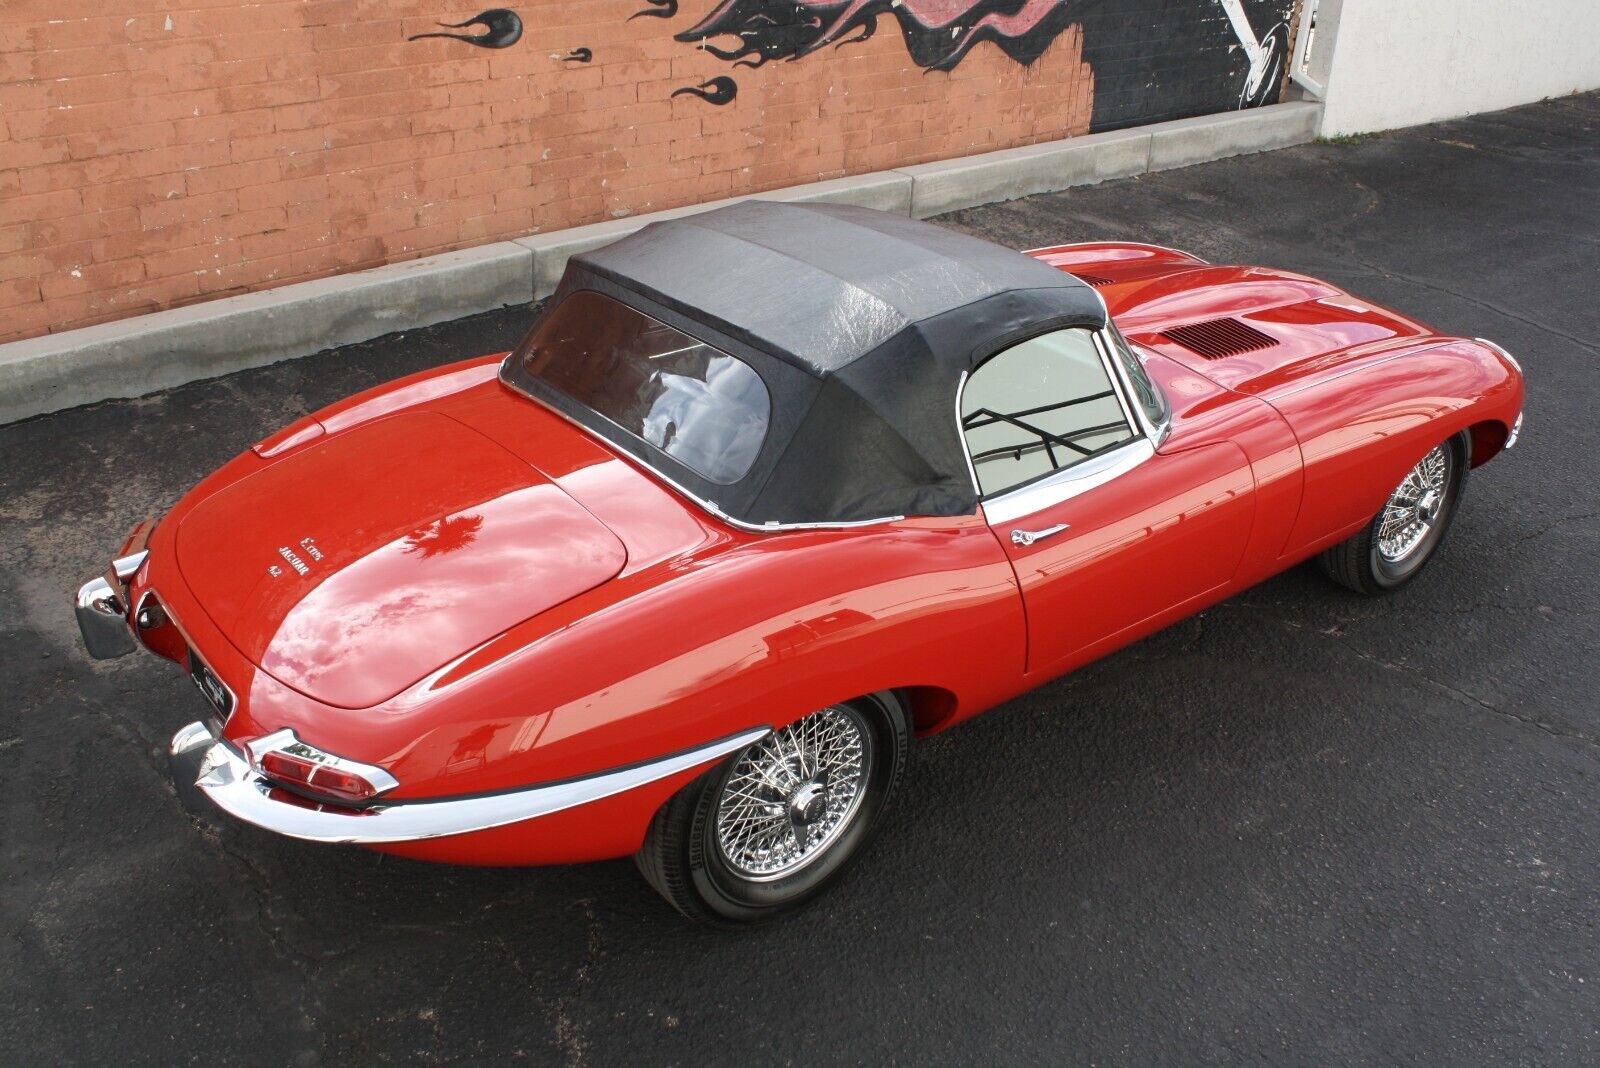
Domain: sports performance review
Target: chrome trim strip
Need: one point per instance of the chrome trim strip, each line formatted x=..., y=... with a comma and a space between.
x=1156, y=432
x=758, y=528
x=1501, y=349
x=138, y=609
x=1125, y=244
x=1119, y=387
x=231, y=784
x=190, y=738
x=769, y=527
x=128, y=566
x=1067, y=483
x=1278, y=394
x=1516, y=432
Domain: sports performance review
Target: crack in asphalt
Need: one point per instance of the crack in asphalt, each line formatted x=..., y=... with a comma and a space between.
x=568, y=1033
x=1341, y=639
x=1199, y=636
x=1554, y=523
x=1487, y=305
x=1338, y=227
x=303, y=997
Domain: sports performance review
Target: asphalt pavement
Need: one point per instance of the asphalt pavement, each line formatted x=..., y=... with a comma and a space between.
x=1302, y=827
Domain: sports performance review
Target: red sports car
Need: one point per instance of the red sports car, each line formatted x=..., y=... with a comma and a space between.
x=764, y=494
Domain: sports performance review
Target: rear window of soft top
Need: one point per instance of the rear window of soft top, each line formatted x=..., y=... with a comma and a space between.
x=697, y=404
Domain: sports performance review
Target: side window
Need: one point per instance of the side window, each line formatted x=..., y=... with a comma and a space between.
x=1038, y=407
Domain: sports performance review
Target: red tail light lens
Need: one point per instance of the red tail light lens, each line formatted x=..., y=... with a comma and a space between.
x=317, y=778
x=293, y=764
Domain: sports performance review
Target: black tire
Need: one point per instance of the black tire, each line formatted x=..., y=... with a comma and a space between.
x=682, y=858
x=1357, y=564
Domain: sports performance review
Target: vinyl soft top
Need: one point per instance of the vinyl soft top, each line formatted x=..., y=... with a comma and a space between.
x=861, y=323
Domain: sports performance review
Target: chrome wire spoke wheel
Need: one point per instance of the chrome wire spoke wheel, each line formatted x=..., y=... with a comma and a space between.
x=1397, y=544
x=787, y=798
x=1415, y=508
x=775, y=823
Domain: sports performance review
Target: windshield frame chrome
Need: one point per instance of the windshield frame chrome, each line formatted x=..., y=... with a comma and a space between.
x=1156, y=431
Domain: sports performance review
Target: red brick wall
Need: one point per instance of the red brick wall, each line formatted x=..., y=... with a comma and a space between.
x=154, y=153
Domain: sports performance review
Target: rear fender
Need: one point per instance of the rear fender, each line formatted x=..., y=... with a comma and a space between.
x=759, y=630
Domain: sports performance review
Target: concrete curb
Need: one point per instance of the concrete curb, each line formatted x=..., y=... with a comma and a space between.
x=1020, y=172
x=1208, y=137
x=132, y=357
x=1055, y=165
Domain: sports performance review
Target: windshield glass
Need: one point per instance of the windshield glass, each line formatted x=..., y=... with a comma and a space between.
x=700, y=406
x=1150, y=399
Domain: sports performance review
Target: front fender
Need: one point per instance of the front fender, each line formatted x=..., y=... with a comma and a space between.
x=1361, y=431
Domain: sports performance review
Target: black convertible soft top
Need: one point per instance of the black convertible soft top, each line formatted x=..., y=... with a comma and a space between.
x=861, y=324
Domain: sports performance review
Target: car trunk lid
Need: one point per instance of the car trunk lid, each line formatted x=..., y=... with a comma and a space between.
x=354, y=567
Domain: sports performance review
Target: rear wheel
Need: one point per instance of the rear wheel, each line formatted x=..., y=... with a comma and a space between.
x=770, y=827
x=1403, y=536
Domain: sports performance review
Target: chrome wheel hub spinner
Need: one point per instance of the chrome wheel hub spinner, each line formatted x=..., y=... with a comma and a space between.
x=809, y=803
x=1413, y=509
x=790, y=796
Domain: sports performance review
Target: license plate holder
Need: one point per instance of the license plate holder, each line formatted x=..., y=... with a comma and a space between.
x=214, y=690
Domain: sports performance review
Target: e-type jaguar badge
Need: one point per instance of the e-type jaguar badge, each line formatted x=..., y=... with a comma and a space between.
x=295, y=560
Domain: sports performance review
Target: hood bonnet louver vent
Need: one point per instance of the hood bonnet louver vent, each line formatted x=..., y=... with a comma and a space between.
x=1220, y=338
x=1096, y=280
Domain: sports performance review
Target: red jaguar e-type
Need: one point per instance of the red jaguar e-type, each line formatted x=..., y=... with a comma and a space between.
x=765, y=493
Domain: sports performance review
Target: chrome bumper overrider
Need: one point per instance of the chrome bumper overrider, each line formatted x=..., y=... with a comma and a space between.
x=102, y=610
x=223, y=777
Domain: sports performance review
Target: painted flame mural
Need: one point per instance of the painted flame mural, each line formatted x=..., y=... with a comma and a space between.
x=1242, y=43
x=1225, y=45
x=938, y=33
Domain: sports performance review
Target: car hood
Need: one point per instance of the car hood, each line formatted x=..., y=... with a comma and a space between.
x=1298, y=327
x=357, y=566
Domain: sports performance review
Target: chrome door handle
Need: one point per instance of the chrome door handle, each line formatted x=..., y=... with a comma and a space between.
x=1028, y=537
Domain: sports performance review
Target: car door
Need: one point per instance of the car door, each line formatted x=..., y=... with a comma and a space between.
x=1106, y=533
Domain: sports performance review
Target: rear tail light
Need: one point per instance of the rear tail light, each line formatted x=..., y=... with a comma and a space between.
x=305, y=769
x=292, y=770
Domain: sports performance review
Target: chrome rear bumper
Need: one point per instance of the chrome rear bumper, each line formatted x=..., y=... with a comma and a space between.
x=102, y=609
x=216, y=771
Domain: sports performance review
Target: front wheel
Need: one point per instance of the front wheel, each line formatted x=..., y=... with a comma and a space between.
x=1401, y=539
x=770, y=827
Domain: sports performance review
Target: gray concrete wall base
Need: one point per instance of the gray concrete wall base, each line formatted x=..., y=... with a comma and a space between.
x=135, y=356
x=1236, y=133
x=1020, y=172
